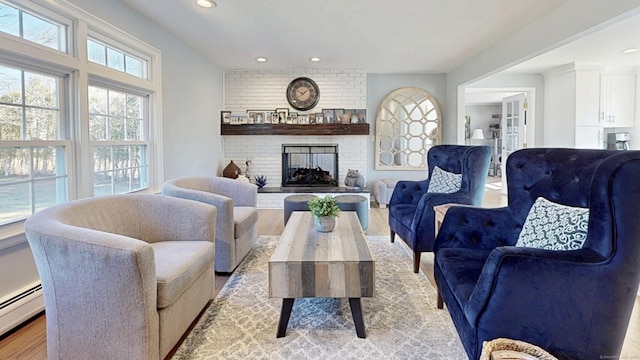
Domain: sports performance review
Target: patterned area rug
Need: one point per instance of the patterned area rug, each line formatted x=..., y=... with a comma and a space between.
x=402, y=321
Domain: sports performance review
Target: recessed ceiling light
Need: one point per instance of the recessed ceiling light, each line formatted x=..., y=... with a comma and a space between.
x=206, y=3
x=261, y=59
x=630, y=50
x=314, y=59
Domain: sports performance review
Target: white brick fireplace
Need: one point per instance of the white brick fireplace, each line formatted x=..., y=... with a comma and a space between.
x=265, y=90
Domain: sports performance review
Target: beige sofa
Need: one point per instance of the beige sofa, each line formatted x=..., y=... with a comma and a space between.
x=123, y=276
x=237, y=218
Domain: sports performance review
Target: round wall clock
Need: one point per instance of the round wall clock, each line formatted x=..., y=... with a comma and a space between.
x=303, y=94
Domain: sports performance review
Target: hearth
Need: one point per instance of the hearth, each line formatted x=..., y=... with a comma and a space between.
x=310, y=165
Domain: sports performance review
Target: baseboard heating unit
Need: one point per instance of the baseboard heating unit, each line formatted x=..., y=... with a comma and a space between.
x=20, y=306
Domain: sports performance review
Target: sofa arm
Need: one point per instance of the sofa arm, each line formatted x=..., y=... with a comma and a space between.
x=99, y=288
x=503, y=284
x=165, y=218
x=476, y=227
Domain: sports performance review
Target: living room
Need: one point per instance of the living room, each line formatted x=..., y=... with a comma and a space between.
x=194, y=89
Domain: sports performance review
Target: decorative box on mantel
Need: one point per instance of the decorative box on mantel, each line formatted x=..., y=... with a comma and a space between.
x=290, y=129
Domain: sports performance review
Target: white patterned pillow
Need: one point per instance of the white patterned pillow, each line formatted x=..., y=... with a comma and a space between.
x=554, y=226
x=444, y=182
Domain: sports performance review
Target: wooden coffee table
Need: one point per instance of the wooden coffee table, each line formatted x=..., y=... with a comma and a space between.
x=308, y=263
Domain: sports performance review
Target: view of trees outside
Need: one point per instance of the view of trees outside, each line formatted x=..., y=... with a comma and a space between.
x=29, y=27
x=115, y=59
x=116, y=129
x=31, y=177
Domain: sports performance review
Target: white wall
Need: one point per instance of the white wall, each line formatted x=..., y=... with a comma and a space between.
x=192, y=93
x=378, y=87
x=265, y=90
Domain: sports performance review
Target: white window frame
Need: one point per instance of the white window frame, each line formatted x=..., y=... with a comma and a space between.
x=80, y=72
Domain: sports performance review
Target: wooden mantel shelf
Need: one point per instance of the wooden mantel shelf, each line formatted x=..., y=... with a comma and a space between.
x=289, y=129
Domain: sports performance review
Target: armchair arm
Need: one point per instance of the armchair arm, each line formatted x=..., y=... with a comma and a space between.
x=408, y=192
x=86, y=274
x=476, y=227
x=515, y=278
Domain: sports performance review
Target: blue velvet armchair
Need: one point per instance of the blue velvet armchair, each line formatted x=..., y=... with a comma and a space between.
x=411, y=213
x=575, y=304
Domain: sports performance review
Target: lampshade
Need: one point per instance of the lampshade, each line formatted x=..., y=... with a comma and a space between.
x=478, y=134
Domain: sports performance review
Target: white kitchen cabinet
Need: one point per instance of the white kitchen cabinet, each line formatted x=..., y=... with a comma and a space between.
x=589, y=137
x=587, y=88
x=617, y=100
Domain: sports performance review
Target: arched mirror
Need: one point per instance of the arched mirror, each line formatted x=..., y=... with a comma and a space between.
x=407, y=125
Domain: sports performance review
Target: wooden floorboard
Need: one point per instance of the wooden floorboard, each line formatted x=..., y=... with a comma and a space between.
x=29, y=341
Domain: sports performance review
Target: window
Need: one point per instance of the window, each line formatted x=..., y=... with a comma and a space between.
x=117, y=131
x=32, y=155
x=56, y=146
x=116, y=59
x=32, y=27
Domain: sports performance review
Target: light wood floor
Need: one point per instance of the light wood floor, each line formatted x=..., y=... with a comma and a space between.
x=29, y=341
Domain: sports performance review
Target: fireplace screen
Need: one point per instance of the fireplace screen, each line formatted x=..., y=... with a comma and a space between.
x=310, y=165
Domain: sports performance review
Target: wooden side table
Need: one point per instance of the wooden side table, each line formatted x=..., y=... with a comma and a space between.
x=440, y=212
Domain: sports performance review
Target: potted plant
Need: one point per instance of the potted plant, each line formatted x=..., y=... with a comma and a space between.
x=324, y=210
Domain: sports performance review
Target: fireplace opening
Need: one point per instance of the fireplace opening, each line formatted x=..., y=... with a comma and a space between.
x=310, y=165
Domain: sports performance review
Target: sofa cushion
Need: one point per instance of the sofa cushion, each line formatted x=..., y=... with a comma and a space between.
x=178, y=265
x=444, y=182
x=244, y=217
x=461, y=267
x=554, y=226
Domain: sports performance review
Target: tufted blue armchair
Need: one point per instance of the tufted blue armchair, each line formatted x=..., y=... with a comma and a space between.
x=575, y=304
x=411, y=213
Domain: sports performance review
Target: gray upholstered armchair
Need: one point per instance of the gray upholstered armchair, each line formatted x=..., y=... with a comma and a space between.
x=123, y=276
x=237, y=218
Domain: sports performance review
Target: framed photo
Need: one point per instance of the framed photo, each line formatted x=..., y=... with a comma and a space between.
x=225, y=117
x=312, y=119
x=303, y=119
x=238, y=118
x=339, y=116
x=294, y=117
x=319, y=118
x=283, y=115
x=329, y=115
x=272, y=118
x=348, y=116
x=259, y=116
x=362, y=116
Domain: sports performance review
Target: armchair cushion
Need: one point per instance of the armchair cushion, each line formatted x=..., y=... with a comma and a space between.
x=444, y=182
x=554, y=226
x=178, y=265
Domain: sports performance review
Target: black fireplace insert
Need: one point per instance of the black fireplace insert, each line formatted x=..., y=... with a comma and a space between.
x=310, y=165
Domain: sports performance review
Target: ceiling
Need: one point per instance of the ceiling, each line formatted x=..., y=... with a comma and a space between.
x=602, y=47
x=401, y=36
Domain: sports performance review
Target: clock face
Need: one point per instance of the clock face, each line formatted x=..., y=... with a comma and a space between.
x=303, y=94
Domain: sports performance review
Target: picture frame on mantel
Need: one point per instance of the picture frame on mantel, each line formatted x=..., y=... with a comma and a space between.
x=225, y=117
x=328, y=115
x=283, y=115
x=259, y=116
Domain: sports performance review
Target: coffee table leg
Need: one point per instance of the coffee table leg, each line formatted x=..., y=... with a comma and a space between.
x=356, y=312
x=287, y=305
